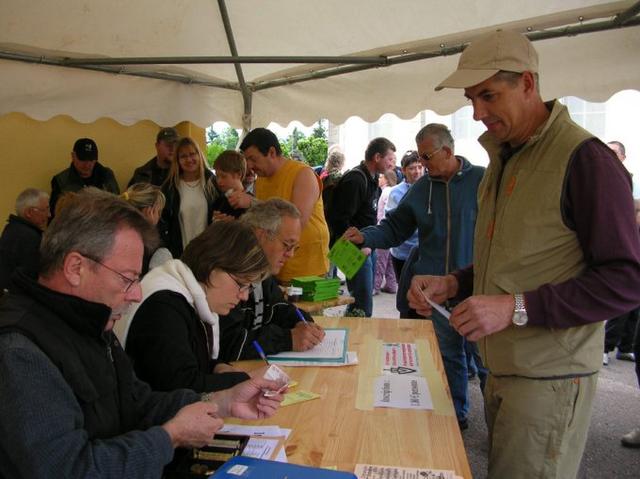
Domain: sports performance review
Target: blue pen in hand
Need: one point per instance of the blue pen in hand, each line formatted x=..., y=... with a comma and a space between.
x=301, y=316
x=260, y=351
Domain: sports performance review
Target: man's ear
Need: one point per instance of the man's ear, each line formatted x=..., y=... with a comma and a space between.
x=73, y=267
x=529, y=82
x=261, y=234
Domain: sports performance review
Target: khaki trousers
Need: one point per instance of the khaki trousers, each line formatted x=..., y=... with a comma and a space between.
x=537, y=428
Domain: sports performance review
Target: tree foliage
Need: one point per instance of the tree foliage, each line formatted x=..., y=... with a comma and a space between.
x=219, y=142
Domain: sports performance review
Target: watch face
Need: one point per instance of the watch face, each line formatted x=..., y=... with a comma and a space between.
x=520, y=318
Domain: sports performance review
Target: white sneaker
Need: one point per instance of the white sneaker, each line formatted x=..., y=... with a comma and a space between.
x=605, y=359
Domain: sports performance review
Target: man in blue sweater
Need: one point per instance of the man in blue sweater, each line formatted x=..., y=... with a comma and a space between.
x=442, y=206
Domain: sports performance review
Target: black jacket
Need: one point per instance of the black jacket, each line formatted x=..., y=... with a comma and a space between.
x=19, y=248
x=169, y=225
x=150, y=172
x=168, y=346
x=240, y=327
x=69, y=180
x=70, y=331
x=354, y=202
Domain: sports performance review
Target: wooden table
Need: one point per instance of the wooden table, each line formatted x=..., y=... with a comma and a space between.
x=313, y=307
x=335, y=430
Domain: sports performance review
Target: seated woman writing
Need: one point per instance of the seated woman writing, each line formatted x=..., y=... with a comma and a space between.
x=173, y=338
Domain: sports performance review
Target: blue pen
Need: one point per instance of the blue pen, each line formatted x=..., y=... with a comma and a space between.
x=260, y=351
x=301, y=316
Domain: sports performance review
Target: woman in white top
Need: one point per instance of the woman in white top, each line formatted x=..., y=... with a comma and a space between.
x=191, y=191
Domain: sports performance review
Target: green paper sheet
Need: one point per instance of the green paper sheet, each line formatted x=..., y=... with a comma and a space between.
x=346, y=256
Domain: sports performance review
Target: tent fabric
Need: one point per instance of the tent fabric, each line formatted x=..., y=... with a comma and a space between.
x=593, y=66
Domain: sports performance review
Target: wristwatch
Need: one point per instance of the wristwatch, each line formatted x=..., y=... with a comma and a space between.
x=520, y=317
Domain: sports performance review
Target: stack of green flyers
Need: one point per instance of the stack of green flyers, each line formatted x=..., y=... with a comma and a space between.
x=317, y=288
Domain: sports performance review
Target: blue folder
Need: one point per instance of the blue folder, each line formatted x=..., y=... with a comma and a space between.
x=241, y=467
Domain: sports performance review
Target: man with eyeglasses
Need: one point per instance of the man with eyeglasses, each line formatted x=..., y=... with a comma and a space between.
x=70, y=404
x=20, y=241
x=442, y=206
x=266, y=316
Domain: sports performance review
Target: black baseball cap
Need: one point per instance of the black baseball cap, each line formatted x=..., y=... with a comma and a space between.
x=86, y=149
x=170, y=135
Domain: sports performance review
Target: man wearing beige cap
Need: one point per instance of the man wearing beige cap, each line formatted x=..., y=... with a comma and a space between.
x=556, y=252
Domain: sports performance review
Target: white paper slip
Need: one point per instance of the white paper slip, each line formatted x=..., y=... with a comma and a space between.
x=400, y=358
x=263, y=448
x=402, y=392
x=369, y=471
x=272, y=431
x=440, y=309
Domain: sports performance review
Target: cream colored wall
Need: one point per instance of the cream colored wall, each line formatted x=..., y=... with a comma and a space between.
x=32, y=151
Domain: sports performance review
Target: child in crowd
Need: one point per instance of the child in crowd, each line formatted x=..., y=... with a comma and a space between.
x=231, y=168
x=384, y=267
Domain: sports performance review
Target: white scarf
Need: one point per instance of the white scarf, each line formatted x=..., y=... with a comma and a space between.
x=175, y=276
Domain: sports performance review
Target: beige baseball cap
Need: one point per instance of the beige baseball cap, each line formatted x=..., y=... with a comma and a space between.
x=488, y=54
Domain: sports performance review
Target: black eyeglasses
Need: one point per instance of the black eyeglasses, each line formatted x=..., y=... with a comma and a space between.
x=242, y=288
x=288, y=247
x=128, y=282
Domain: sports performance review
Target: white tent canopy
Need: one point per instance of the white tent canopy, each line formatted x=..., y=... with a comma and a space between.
x=50, y=52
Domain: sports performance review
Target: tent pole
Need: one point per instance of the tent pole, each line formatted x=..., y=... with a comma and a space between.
x=244, y=89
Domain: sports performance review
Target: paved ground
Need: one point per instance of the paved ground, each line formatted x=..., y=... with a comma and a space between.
x=616, y=412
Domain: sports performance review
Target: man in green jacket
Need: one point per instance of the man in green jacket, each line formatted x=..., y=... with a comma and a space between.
x=556, y=252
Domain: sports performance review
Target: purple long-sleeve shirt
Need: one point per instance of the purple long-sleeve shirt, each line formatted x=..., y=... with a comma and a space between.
x=597, y=204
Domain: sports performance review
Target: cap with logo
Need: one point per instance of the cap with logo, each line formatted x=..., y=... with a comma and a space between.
x=169, y=135
x=85, y=149
x=490, y=53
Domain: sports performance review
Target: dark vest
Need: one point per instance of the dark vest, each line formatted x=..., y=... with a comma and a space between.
x=69, y=331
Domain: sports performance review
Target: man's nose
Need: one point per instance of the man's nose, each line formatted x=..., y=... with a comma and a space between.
x=479, y=111
x=134, y=294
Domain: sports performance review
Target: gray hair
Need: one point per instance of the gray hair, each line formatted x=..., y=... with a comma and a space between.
x=335, y=161
x=29, y=198
x=88, y=225
x=267, y=215
x=439, y=133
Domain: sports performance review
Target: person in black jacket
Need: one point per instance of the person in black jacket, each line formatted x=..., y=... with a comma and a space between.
x=20, y=241
x=231, y=168
x=265, y=315
x=191, y=191
x=155, y=170
x=355, y=203
x=84, y=171
x=173, y=338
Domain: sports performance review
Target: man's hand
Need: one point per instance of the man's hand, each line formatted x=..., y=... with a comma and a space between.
x=240, y=199
x=437, y=288
x=194, y=425
x=247, y=400
x=353, y=234
x=479, y=316
x=306, y=335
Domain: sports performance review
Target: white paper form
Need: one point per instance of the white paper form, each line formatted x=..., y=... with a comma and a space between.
x=402, y=392
x=332, y=347
x=352, y=359
x=369, y=471
x=400, y=358
x=272, y=431
x=261, y=448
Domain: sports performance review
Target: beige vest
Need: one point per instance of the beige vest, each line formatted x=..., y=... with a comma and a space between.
x=522, y=243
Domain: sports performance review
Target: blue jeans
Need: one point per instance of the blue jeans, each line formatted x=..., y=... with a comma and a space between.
x=454, y=357
x=361, y=286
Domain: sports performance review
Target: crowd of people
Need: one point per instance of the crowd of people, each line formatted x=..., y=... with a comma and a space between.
x=121, y=312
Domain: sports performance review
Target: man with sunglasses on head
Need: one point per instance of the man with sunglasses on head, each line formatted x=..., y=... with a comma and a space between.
x=70, y=404
x=266, y=316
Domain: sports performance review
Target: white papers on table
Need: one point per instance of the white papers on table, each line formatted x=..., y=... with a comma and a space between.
x=400, y=358
x=271, y=431
x=402, y=392
x=264, y=448
x=368, y=471
x=331, y=348
x=350, y=360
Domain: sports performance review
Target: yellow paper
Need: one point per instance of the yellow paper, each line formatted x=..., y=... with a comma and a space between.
x=298, y=396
